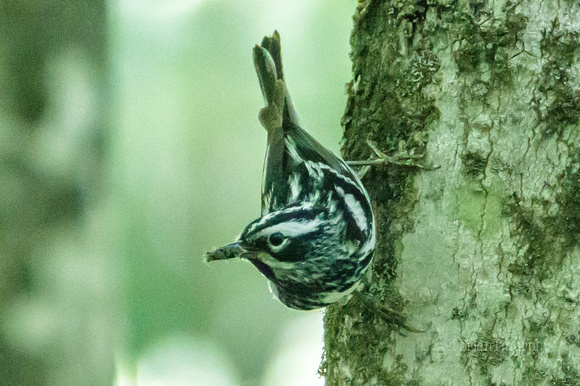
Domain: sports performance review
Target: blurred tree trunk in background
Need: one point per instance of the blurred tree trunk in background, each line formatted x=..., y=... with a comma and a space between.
x=57, y=318
x=485, y=250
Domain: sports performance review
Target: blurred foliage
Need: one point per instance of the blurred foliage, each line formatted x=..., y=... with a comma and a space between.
x=53, y=66
x=129, y=146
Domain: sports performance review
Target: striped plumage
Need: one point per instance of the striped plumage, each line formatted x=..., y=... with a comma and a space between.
x=316, y=236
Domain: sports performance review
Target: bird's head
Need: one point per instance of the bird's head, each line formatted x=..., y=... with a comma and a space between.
x=303, y=251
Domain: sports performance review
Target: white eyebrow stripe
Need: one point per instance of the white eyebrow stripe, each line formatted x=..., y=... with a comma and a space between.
x=293, y=228
x=265, y=218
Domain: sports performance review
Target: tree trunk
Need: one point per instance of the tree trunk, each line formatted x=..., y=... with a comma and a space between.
x=484, y=250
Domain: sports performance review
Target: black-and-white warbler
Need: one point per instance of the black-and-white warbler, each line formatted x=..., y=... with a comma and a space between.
x=316, y=237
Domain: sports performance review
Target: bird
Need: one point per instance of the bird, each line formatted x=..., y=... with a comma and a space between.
x=315, y=238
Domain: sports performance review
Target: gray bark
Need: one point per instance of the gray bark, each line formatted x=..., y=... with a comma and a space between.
x=484, y=250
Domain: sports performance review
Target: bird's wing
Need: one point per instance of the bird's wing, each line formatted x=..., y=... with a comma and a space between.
x=278, y=164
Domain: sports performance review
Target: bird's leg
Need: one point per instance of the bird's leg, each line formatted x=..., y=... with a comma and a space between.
x=389, y=315
x=401, y=159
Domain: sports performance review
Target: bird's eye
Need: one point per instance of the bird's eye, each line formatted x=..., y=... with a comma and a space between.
x=276, y=239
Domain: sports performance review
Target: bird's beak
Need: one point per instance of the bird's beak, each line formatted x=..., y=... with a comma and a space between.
x=229, y=251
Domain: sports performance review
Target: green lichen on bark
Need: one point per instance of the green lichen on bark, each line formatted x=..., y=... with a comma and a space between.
x=541, y=234
x=474, y=164
x=570, y=198
x=531, y=232
x=487, y=350
x=569, y=375
x=484, y=44
x=385, y=100
x=373, y=339
x=558, y=85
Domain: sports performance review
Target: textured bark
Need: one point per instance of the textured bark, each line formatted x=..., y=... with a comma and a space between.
x=485, y=250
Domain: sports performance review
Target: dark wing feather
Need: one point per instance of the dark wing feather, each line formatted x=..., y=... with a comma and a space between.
x=310, y=149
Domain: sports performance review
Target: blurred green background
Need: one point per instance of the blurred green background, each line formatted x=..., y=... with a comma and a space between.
x=129, y=146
